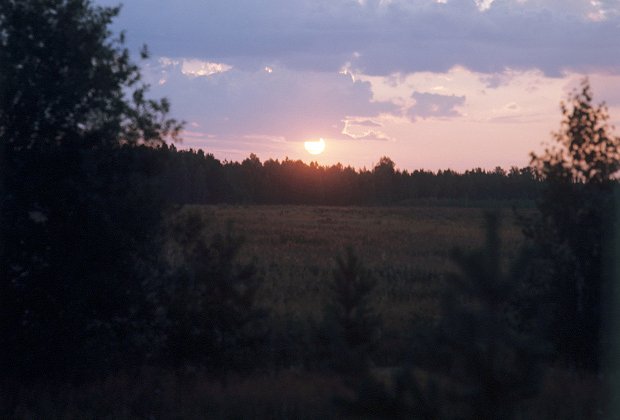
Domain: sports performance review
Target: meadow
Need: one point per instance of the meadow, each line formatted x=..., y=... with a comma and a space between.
x=407, y=250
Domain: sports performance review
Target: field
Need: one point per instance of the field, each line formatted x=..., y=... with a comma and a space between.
x=407, y=250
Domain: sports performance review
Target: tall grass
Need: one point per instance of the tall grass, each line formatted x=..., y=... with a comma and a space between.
x=407, y=250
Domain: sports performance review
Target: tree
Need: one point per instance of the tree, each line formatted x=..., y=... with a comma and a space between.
x=477, y=362
x=212, y=320
x=585, y=151
x=569, y=234
x=384, y=177
x=79, y=213
x=488, y=365
x=350, y=327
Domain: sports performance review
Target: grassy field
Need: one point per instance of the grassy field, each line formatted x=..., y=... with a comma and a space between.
x=294, y=248
x=406, y=248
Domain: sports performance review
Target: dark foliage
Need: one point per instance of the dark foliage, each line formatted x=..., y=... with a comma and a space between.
x=402, y=398
x=208, y=300
x=570, y=235
x=79, y=209
x=484, y=366
x=350, y=330
x=196, y=177
x=474, y=362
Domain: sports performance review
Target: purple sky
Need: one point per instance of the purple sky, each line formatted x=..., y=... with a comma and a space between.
x=432, y=84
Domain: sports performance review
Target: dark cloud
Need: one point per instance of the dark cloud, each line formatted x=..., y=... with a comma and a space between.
x=381, y=38
x=435, y=105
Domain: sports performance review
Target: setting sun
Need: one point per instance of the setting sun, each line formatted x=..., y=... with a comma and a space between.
x=315, y=147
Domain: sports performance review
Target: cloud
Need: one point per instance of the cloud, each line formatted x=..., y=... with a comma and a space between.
x=433, y=105
x=484, y=4
x=189, y=67
x=364, y=123
x=383, y=37
x=264, y=76
x=372, y=135
x=284, y=104
x=198, y=68
x=495, y=81
x=364, y=129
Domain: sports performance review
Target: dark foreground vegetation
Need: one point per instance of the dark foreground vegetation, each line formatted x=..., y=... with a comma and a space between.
x=115, y=302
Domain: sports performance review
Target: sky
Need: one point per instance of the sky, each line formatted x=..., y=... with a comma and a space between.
x=432, y=84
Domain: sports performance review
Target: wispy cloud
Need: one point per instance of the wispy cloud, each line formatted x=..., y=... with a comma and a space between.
x=198, y=68
x=281, y=103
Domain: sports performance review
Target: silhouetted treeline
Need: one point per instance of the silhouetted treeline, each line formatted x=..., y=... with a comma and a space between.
x=196, y=177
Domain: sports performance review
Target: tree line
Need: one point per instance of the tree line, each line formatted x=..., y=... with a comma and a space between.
x=196, y=177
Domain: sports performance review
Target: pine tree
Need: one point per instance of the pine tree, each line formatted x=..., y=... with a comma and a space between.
x=350, y=327
x=209, y=299
x=484, y=365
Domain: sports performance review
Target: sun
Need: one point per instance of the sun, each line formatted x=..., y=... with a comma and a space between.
x=315, y=147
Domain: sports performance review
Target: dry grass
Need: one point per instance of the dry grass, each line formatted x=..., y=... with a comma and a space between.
x=406, y=248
